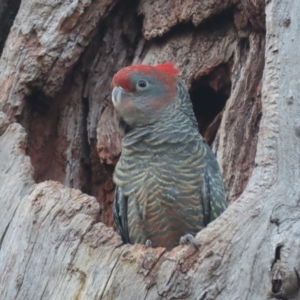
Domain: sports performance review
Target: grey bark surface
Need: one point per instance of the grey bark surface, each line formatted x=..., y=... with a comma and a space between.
x=57, y=124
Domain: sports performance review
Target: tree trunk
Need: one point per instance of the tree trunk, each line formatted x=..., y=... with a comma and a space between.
x=58, y=147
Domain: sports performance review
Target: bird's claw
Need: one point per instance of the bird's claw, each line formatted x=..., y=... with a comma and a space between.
x=148, y=244
x=188, y=239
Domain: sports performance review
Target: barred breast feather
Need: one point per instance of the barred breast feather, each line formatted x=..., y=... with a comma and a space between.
x=168, y=180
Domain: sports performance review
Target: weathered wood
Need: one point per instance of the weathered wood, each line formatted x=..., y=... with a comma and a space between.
x=15, y=171
x=52, y=246
x=44, y=43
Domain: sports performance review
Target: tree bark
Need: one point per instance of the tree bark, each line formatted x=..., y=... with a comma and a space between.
x=58, y=147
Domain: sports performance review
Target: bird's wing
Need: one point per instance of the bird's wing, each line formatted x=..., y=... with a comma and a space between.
x=120, y=213
x=214, y=203
x=212, y=193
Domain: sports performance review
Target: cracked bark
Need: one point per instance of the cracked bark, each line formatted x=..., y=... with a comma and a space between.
x=58, y=147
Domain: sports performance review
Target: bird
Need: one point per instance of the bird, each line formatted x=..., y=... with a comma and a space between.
x=168, y=182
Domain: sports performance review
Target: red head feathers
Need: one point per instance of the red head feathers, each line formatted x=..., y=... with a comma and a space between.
x=166, y=72
x=167, y=67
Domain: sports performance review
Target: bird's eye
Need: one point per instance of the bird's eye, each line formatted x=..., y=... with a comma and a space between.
x=142, y=83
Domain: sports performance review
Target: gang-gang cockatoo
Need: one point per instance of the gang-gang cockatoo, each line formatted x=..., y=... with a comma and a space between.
x=168, y=182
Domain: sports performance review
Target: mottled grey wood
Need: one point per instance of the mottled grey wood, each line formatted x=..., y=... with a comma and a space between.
x=45, y=41
x=15, y=172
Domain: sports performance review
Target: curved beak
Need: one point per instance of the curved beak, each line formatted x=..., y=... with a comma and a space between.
x=117, y=95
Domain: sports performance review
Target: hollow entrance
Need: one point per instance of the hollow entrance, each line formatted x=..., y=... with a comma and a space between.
x=209, y=94
x=40, y=118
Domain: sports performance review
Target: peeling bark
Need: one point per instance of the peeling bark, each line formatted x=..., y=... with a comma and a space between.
x=58, y=148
